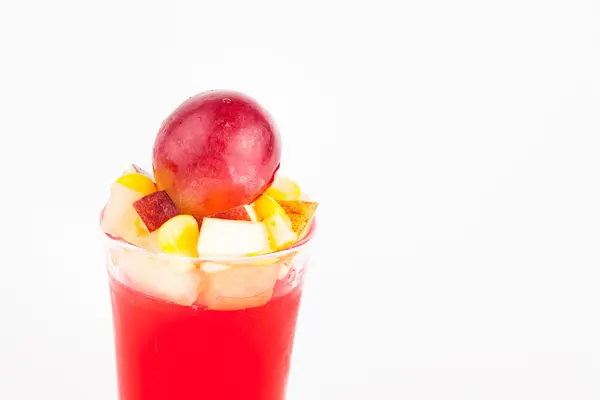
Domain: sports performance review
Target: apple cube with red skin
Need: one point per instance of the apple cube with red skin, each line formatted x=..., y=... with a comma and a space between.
x=239, y=213
x=301, y=214
x=216, y=151
x=155, y=209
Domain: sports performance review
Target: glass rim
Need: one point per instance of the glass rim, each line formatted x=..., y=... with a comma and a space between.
x=299, y=245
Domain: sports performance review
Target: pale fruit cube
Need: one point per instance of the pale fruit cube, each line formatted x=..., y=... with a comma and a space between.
x=120, y=218
x=239, y=213
x=148, y=241
x=280, y=232
x=301, y=214
x=266, y=207
x=138, y=182
x=176, y=280
x=237, y=287
x=284, y=189
x=179, y=235
x=228, y=238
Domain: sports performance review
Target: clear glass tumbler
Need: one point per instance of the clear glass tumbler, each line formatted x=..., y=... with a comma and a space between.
x=210, y=329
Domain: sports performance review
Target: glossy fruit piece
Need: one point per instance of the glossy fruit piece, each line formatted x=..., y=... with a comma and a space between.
x=148, y=241
x=301, y=214
x=266, y=207
x=137, y=182
x=227, y=238
x=280, y=231
x=171, y=279
x=238, y=287
x=120, y=218
x=179, y=235
x=239, y=213
x=284, y=189
x=231, y=154
x=155, y=209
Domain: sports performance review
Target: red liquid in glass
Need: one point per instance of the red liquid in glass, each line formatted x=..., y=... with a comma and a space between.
x=167, y=351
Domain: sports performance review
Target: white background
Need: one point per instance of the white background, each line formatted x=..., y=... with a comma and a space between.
x=453, y=146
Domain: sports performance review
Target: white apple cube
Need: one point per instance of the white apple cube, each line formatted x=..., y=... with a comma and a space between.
x=148, y=241
x=222, y=238
x=176, y=279
x=238, y=287
x=120, y=218
x=281, y=233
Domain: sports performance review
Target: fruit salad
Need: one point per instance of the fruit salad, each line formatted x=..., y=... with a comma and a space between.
x=214, y=225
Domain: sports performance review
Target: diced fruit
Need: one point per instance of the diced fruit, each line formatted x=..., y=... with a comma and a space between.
x=284, y=189
x=237, y=287
x=244, y=282
x=180, y=264
x=179, y=235
x=300, y=213
x=226, y=238
x=176, y=280
x=155, y=209
x=148, y=241
x=266, y=207
x=280, y=231
x=217, y=150
x=239, y=213
x=277, y=222
x=120, y=218
x=138, y=182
